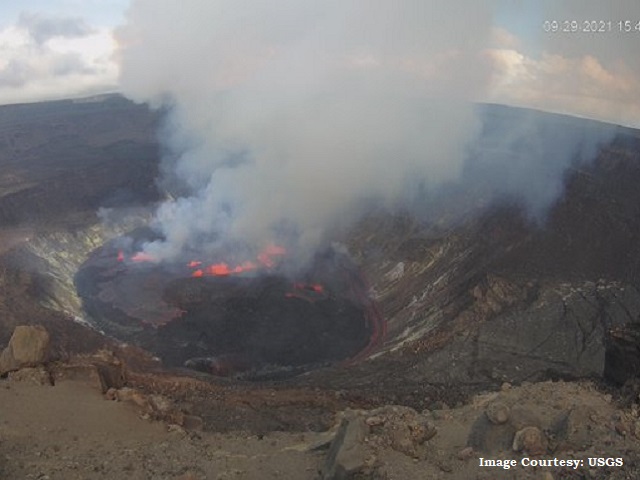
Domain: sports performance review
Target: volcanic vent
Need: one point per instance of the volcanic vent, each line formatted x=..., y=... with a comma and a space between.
x=244, y=319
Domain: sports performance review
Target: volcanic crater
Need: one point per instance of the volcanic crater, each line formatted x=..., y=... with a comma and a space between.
x=251, y=320
x=468, y=288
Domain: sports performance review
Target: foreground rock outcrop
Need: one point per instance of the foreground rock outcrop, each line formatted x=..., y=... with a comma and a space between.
x=565, y=426
x=362, y=435
x=28, y=347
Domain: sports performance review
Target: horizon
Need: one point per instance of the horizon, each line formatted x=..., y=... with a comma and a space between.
x=96, y=96
x=69, y=49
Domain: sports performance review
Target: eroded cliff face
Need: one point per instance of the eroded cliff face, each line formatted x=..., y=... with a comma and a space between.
x=504, y=298
x=59, y=255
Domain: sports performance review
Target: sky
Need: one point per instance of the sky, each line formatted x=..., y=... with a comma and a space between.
x=66, y=48
x=51, y=49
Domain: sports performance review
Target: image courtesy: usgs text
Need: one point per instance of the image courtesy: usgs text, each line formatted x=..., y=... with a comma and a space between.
x=573, y=463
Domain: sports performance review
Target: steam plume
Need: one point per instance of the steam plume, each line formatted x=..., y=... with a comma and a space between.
x=290, y=116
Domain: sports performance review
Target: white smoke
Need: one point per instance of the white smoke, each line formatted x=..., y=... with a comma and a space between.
x=289, y=117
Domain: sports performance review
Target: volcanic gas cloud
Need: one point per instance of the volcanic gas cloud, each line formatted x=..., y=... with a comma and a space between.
x=289, y=119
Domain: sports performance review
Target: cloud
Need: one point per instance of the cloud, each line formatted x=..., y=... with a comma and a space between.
x=595, y=74
x=16, y=73
x=54, y=57
x=502, y=38
x=43, y=28
x=579, y=85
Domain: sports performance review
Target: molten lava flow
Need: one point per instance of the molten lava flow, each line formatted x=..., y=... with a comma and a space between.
x=136, y=257
x=265, y=259
x=142, y=257
x=219, y=269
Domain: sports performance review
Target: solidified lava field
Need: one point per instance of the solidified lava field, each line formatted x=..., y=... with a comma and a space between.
x=257, y=323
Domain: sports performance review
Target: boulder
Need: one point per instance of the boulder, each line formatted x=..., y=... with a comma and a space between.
x=530, y=440
x=489, y=438
x=160, y=404
x=363, y=434
x=101, y=369
x=111, y=375
x=38, y=375
x=132, y=395
x=497, y=413
x=348, y=454
x=489, y=434
x=574, y=430
x=466, y=453
x=28, y=347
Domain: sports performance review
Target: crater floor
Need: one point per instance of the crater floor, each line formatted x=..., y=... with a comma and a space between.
x=261, y=323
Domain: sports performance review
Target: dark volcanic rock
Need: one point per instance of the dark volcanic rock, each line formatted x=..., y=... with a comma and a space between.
x=243, y=322
x=257, y=325
x=569, y=331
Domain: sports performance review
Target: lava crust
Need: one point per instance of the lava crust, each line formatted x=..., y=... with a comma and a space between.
x=257, y=325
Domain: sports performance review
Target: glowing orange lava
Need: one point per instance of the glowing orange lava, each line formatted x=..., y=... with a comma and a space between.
x=142, y=257
x=266, y=259
x=218, y=269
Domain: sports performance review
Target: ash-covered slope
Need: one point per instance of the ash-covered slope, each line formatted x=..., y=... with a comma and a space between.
x=504, y=296
x=73, y=156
